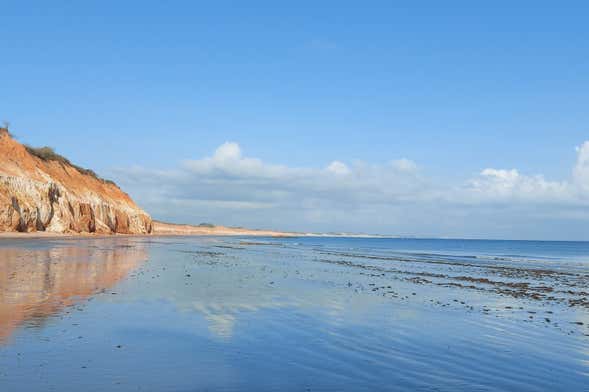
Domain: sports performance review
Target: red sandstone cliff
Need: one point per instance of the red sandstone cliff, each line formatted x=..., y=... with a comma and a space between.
x=47, y=194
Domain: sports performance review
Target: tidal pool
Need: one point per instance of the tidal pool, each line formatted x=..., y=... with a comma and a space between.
x=321, y=314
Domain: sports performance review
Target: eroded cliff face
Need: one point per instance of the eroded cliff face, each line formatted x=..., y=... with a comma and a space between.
x=49, y=195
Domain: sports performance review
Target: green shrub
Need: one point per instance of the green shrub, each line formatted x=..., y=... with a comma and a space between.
x=5, y=130
x=48, y=154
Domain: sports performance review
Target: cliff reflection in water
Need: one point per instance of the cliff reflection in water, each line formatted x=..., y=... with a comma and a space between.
x=36, y=284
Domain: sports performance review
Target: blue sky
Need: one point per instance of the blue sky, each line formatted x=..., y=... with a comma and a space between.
x=453, y=87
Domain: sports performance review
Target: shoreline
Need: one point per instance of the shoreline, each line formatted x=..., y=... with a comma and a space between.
x=246, y=233
x=49, y=235
x=160, y=229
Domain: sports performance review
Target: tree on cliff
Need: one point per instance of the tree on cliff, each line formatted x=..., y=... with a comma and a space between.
x=5, y=128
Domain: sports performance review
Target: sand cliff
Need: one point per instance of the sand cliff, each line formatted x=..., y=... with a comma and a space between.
x=52, y=195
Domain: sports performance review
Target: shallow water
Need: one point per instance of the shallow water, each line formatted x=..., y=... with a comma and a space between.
x=313, y=314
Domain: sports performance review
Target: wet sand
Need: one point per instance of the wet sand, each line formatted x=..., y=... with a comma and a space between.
x=223, y=313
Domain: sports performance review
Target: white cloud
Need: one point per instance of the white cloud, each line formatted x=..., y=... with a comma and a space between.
x=395, y=197
x=510, y=185
x=404, y=164
x=227, y=160
x=339, y=168
x=227, y=152
x=581, y=169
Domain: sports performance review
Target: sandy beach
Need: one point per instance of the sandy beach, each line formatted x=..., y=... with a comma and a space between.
x=159, y=229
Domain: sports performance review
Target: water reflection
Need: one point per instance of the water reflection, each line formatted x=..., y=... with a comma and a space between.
x=215, y=314
x=36, y=284
x=226, y=286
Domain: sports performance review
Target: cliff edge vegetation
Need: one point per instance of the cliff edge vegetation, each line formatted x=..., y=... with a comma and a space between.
x=41, y=190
